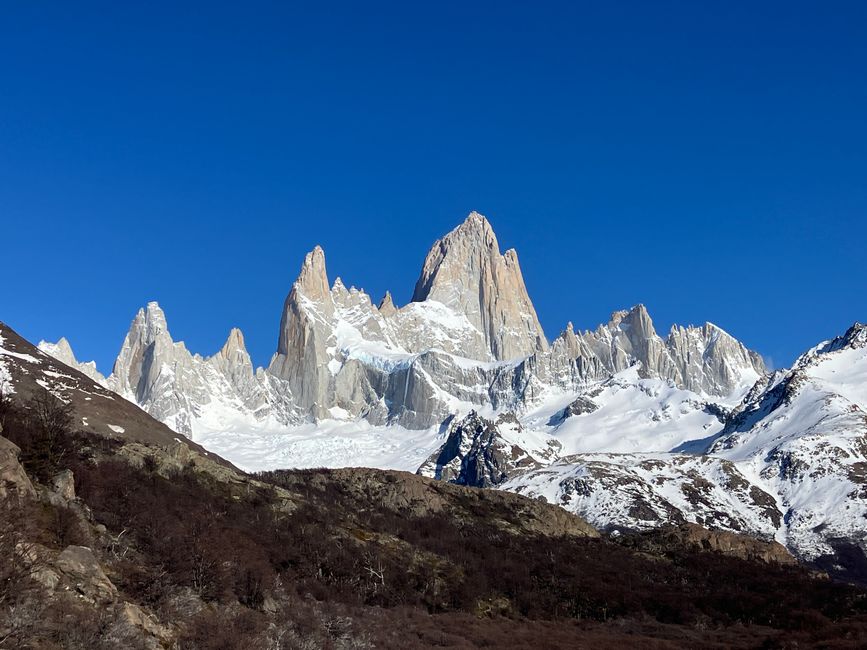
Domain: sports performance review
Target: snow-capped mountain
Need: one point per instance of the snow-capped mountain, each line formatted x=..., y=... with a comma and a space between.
x=804, y=432
x=619, y=424
x=469, y=340
x=790, y=463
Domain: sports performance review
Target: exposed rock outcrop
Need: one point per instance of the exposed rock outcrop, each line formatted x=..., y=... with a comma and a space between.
x=178, y=387
x=417, y=496
x=579, y=406
x=717, y=541
x=305, y=329
x=478, y=452
x=79, y=565
x=63, y=484
x=702, y=359
x=13, y=479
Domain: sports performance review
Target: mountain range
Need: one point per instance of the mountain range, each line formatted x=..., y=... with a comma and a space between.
x=118, y=532
x=623, y=426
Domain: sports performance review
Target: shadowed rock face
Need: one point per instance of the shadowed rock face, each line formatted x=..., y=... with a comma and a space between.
x=582, y=405
x=477, y=454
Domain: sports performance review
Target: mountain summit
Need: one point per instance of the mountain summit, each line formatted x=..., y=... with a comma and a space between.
x=466, y=272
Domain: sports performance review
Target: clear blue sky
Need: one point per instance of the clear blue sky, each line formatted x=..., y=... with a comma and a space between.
x=706, y=159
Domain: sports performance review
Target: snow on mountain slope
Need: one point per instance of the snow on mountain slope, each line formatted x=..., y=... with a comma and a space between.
x=805, y=435
x=643, y=491
x=328, y=443
x=626, y=413
x=790, y=463
x=62, y=351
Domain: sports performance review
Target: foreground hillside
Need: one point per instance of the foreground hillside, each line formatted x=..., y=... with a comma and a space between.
x=122, y=537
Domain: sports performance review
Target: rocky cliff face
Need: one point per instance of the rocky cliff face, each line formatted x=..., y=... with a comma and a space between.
x=702, y=359
x=305, y=329
x=185, y=390
x=466, y=272
x=482, y=453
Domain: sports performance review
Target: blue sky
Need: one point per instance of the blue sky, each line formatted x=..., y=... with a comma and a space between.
x=706, y=159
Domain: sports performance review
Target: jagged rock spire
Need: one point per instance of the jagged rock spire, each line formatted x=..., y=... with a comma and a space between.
x=466, y=272
x=176, y=386
x=339, y=356
x=234, y=347
x=313, y=280
x=148, y=339
x=855, y=337
x=305, y=328
x=703, y=359
x=62, y=351
x=386, y=305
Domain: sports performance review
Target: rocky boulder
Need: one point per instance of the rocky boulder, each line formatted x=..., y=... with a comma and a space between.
x=79, y=566
x=13, y=479
x=63, y=484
